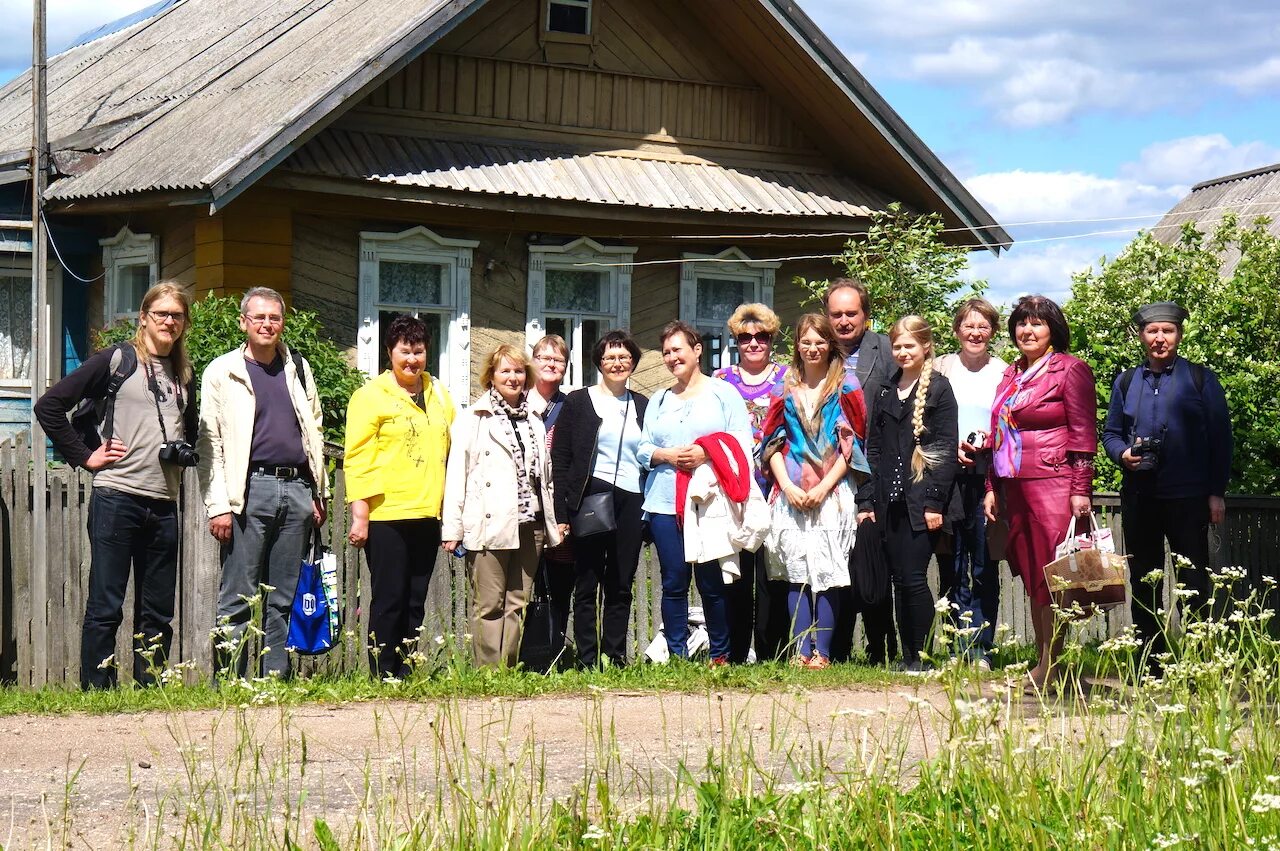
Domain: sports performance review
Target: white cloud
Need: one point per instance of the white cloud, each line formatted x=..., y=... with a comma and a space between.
x=1057, y=196
x=1192, y=159
x=1038, y=64
x=1038, y=268
x=1262, y=76
x=66, y=20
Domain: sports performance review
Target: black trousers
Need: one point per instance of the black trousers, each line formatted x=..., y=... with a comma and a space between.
x=909, y=552
x=137, y=534
x=605, y=570
x=401, y=556
x=757, y=609
x=1147, y=522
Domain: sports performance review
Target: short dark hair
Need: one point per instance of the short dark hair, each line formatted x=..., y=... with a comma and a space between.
x=1048, y=312
x=679, y=326
x=612, y=340
x=864, y=298
x=406, y=329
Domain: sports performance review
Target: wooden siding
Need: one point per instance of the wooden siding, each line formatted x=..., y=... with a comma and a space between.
x=326, y=268
x=248, y=245
x=482, y=91
x=647, y=37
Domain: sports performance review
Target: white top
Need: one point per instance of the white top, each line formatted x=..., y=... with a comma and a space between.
x=975, y=391
x=611, y=410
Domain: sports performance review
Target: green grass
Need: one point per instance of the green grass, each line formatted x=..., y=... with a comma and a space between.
x=452, y=680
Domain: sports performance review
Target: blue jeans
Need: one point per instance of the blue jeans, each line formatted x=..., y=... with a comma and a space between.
x=973, y=583
x=668, y=539
x=138, y=533
x=268, y=541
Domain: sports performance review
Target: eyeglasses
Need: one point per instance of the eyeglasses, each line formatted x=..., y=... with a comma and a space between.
x=168, y=316
x=764, y=338
x=619, y=359
x=261, y=319
x=970, y=329
x=549, y=359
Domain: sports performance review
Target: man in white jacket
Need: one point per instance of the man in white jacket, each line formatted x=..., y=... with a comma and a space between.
x=262, y=475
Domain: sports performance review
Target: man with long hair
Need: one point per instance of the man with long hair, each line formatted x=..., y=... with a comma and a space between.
x=133, y=511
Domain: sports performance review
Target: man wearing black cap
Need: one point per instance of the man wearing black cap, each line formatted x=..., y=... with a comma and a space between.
x=1169, y=431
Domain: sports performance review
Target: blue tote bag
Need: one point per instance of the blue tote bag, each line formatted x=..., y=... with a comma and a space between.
x=313, y=623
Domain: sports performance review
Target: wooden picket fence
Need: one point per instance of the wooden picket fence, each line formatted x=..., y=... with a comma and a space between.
x=1251, y=538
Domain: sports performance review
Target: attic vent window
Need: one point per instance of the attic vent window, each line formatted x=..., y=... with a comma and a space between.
x=569, y=16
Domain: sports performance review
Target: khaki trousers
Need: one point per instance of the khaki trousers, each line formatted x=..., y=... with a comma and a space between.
x=500, y=584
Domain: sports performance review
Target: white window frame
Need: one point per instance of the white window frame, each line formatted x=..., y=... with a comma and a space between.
x=16, y=268
x=126, y=248
x=617, y=282
x=420, y=245
x=580, y=4
x=730, y=264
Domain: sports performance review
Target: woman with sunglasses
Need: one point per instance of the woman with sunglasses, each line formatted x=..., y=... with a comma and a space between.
x=757, y=377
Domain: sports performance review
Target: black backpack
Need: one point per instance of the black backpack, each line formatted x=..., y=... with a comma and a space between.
x=94, y=419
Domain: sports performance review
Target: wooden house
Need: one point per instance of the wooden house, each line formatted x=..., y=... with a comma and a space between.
x=1248, y=194
x=503, y=168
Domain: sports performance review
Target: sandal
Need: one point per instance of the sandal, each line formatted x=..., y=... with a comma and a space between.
x=818, y=663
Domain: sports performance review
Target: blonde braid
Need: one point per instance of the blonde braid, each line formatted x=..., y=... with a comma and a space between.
x=918, y=459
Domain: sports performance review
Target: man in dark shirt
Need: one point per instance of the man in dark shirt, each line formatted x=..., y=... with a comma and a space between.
x=263, y=476
x=867, y=363
x=1169, y=430
x=133, y=512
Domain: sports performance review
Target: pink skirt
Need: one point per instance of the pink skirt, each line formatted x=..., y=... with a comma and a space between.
x=1037, y=511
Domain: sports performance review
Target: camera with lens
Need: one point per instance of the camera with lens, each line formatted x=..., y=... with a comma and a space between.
x=981, y=458
x=179, y=453
x=1147, y=451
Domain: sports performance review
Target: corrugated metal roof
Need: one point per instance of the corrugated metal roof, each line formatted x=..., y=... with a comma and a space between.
x=563, y=174
x=178, y=100
x=1249, y=195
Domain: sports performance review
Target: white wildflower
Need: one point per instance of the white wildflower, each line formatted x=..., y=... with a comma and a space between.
x=942, y=606
x=1264, y=802
x=594, y=833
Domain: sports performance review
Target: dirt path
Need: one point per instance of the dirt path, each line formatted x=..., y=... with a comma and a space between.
x=114, y=771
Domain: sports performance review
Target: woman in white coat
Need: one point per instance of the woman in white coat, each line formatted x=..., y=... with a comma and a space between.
x=498, y=504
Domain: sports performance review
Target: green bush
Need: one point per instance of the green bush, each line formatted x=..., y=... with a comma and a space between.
x=1234, y=329
x=215, y=330
x=908, y=269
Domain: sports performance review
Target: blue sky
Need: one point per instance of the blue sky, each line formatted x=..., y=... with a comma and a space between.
x=1048, y=111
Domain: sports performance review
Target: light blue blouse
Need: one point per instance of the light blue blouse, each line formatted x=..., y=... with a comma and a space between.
x=670, y=421
x=624, y=471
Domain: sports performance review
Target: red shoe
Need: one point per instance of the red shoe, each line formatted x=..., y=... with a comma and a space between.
x=718, y=662
x=818, y=663
x=799, y=661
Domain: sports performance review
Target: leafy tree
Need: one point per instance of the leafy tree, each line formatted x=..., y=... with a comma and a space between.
x=907, y=268
x=1234, y=329
x=215, y=330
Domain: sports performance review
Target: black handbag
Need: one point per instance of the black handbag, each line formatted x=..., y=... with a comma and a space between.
x=595, y=514
x=869, y=568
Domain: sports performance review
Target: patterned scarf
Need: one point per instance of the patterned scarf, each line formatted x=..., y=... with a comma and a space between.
x=1006, y=455
x=518, y=435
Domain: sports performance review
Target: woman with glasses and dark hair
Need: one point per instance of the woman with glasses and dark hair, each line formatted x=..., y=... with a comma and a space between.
x=594, y=452
x=1044, y=436
x=696, y=406
x=397, y=442
x=758, y=378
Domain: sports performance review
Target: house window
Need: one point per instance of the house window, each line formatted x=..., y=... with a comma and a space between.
x=581, y=303
x=711, y=289
x=15, y=327
x=569, y=16
x=427, y=276
x=131, y=265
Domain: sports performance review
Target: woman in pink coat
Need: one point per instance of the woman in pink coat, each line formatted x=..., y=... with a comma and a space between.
x=1044, y=427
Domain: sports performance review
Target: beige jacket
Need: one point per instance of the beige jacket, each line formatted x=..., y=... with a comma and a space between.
x=480, y=483
x=227, y=409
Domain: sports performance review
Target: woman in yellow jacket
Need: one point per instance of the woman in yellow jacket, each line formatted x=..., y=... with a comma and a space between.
x=396, y=447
